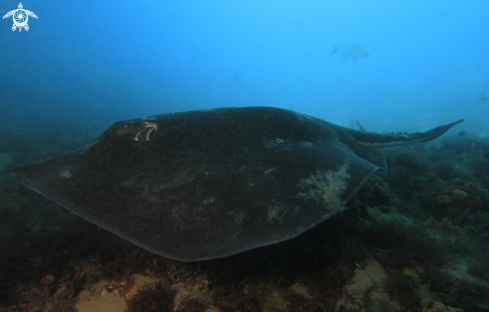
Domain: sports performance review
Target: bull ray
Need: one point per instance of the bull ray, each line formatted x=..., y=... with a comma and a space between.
x=208, y=184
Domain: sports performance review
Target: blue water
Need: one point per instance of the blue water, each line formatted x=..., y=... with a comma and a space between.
x=393, y=65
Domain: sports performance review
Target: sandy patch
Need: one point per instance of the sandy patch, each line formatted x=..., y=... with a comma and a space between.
x=364, y=278
x=110, y=302
x=301, y=290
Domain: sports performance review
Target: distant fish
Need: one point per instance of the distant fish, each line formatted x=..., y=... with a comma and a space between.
x=484, y=97
x=335, y=49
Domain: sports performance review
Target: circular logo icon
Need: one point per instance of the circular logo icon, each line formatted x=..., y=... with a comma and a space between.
x=20, y=18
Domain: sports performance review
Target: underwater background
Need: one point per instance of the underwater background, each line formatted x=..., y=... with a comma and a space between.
x=419, y=234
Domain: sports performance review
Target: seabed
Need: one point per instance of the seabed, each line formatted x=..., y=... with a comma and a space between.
x=416, y=240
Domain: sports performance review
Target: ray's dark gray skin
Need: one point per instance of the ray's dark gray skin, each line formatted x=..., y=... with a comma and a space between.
x=212, y=183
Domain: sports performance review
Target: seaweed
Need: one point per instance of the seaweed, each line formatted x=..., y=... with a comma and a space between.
x=469, y=296
x=233, y=300
x=50, y=295
x=359, y=300
x=60, y=252
x=438, y=281
x=151, y=297
x=121, y=287
x=297, y=303
x=479, y=268
x=190, y=304
x=75, y=281
x=397, y=246
x=400, y=288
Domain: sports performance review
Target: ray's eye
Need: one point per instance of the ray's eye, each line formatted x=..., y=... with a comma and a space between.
x=147, y=132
